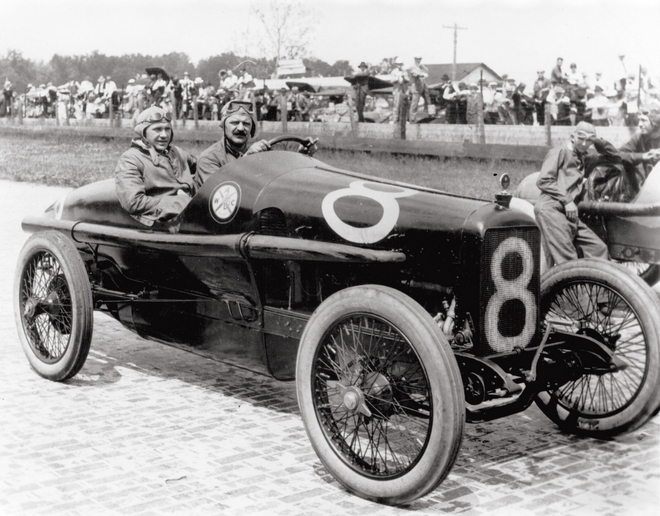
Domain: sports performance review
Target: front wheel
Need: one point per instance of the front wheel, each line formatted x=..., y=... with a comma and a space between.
x=603, y=301
x=380, y=394
x=53, y=306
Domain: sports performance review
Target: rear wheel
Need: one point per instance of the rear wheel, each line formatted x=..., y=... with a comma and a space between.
x=605, y=302
x=53, y=306
x=380, y=394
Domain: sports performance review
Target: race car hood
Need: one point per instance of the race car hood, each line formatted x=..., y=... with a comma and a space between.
x=289, y=195
x=295, y=196
x=322, y=202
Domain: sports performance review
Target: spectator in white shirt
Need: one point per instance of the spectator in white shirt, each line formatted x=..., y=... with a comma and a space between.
x=598, y=107
x=245, y=80
x=230, y=81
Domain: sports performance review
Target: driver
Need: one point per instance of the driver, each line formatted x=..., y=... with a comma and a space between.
x=561, y=182
x=644, y=146
x=237, y=125
x=154, y=179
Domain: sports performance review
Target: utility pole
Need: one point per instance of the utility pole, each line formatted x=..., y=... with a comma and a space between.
x=456, y=28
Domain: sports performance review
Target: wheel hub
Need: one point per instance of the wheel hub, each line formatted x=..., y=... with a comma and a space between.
x=353, y=399
x=52, y=305
x=30, y=308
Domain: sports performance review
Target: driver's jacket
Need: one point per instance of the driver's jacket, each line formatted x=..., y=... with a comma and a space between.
x=564, y=171
x=154, y=187
x=633, y=150
x=212, y=159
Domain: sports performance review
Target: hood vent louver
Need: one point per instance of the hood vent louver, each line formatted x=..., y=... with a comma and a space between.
x=272, y=222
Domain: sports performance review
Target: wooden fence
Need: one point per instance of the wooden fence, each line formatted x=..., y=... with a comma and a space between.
x=516, y=142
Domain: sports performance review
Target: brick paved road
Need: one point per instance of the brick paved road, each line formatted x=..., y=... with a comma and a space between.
x=147, y=429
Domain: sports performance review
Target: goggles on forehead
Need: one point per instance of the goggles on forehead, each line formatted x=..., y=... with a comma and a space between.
x=235, y=105
x=159, y=117
x=584, y=136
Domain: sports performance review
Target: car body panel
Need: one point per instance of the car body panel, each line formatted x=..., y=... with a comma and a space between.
x=270, y=236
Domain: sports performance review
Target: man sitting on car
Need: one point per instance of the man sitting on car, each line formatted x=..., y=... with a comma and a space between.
x=562, y=182
x=237, y=124
x=154, y=179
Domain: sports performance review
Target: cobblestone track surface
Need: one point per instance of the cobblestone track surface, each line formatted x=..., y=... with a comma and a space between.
x=148, y=429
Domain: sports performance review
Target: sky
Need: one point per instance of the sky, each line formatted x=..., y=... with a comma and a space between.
x=516, y=37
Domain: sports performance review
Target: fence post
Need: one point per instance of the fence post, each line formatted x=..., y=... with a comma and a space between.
x=481, y=128
x=253, y=99
x=351, y=115
x=174, y=106
x=400, y=126
x=66, y=111
x=548, y=125
x=285, y=113
x=19, y=106
x=194, y=106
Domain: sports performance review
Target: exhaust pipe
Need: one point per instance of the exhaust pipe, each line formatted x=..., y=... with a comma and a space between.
x=620, y=209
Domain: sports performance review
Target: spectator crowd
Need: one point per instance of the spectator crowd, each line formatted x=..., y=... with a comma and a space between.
x=562, y=97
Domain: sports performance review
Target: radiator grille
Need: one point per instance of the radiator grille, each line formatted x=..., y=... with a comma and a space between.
x=510, y=288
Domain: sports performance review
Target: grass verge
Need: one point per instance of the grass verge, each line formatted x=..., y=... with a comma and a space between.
x=72, y=160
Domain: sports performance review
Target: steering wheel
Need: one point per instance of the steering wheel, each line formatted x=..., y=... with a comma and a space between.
x=291, y=138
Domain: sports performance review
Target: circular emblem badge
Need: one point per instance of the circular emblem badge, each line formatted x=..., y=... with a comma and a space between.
x=224, y=201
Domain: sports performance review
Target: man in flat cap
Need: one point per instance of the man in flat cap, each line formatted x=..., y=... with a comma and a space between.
x=562, y=183
x=361, y=86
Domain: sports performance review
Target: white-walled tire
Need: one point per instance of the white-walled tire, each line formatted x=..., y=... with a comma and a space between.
x=53, y=306
x=608, y=303
x=380, y=394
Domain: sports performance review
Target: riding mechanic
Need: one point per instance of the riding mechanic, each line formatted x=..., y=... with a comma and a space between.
x=154, y=179
x=561, y=181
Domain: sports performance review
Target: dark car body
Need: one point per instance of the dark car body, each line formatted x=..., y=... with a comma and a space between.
x=281, y=257
x=400, y=311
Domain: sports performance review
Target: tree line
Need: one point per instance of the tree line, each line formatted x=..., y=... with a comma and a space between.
x=21, y=71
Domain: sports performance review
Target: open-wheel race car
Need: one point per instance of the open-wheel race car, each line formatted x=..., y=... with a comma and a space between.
x=402, y=312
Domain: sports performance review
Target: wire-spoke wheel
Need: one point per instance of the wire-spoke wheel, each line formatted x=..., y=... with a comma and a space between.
x=649, y=272
x=53, y=306
x=380, y=394
x=604, y=302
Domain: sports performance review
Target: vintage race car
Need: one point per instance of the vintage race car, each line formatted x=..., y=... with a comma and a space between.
x=402, y=312
x=630, y=229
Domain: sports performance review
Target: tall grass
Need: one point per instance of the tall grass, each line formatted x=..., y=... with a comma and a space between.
x=66, y=160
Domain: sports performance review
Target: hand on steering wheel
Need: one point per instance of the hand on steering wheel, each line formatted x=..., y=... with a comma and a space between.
x=260, y=146
x=307, y=145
